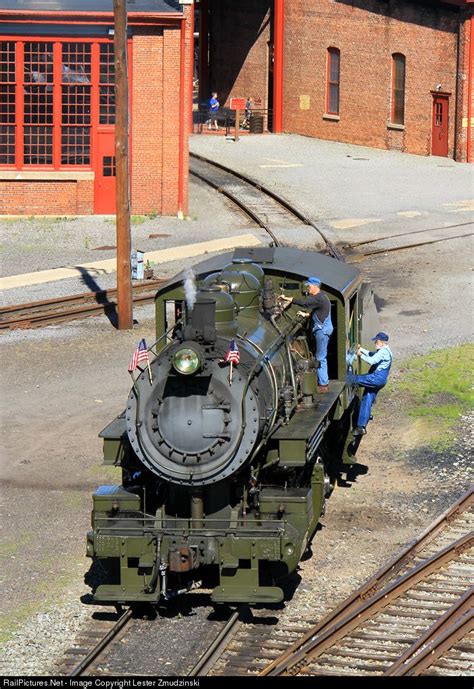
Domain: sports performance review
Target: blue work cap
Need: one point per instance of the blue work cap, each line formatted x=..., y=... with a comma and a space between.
x=313, y=281
x=380, y=336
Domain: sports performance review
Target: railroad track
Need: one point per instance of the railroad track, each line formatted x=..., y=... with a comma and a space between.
x=218, y=646
x=386, y=244
x=419, y=600
x=50, y=311
x=272, y=212
x=92, y=644
x=415, y=615
x=267, y=209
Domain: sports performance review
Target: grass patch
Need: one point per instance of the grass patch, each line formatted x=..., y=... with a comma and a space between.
x=137, y=219
x=437, y=389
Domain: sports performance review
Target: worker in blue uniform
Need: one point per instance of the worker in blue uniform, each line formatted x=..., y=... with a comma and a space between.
x=380, y=364
x=319, y=308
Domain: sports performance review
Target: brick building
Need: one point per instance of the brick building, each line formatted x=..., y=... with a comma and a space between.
x=57, y=151
x=393, y=74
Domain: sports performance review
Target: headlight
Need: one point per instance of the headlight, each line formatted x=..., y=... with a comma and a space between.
x=186, y=361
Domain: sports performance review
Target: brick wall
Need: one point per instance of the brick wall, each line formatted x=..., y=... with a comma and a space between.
x=46, y=197
x=239, y=53
x=367, y=33
x=155, y=121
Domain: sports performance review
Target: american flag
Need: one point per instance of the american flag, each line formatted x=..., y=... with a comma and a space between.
x=140, y=354
x=232, y=354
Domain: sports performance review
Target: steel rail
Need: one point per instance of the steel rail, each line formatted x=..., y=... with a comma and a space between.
x=439, y=645
x=328, y=637
x=332, y=250
x=360, y=257
x=102, y=644
x=84, y=297
x=43, y=313
x=238, y=202
x=374, y=584
x=217, y=647
x=405, y=234
x=434, y=641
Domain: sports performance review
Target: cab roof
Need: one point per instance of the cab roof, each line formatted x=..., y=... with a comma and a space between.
x=298, y=263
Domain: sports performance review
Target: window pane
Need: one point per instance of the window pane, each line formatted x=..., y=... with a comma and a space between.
x=39, y=64
x=107, y=81
x=38, y=142
x=38, y=104
x=75, y=103
x=7, y=62
x=333, y=98
x=76, y=65
x=7, y=103
x=334, y=66
x=333, y=81
x=7, y=145
x=398, y=90
x=75, y=146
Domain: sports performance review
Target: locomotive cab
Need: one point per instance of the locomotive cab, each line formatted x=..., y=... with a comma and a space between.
x=227, y=449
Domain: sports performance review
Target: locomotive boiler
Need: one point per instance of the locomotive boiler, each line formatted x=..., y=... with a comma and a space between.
x=226, y=449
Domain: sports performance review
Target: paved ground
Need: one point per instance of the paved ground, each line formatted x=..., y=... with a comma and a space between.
x=359, y=193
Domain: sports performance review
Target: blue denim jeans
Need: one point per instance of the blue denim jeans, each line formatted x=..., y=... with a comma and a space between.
x=321, y=355
x=372, y=382
x=368, y=398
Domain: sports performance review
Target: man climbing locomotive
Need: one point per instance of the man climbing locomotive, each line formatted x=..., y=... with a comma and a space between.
x=321, y=325
x=224, y=474
x=380, y=363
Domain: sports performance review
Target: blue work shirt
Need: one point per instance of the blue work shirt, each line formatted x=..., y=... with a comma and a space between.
x=381, y=358
x=214, y=104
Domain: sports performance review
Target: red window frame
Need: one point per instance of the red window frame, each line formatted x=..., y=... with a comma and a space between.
x=397, y=111
x=75, y=115
x=7, y=102
x=333, y=79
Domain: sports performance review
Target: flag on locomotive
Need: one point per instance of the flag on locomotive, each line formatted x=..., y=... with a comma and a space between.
x=140, y=354
x=232, y=356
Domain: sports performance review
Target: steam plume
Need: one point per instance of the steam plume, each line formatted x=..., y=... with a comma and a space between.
x=190, y=288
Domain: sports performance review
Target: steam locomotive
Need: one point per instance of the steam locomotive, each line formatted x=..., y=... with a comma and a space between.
x=227, y=461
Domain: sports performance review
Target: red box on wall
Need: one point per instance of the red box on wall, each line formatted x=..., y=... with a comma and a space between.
x=237, y=103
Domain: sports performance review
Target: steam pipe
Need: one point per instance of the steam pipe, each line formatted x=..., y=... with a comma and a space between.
x=290, y=364
x=197, y=509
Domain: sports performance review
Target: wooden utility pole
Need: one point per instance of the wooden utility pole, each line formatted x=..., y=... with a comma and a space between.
x=124, y=282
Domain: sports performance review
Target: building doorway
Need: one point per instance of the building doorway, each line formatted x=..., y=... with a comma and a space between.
x=105, y=173
x=440, y=122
